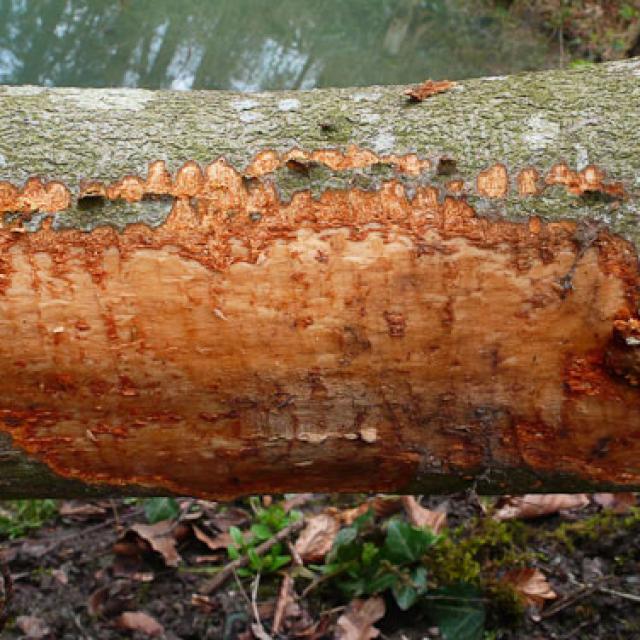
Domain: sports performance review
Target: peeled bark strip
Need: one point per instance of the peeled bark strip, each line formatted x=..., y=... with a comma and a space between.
x=218, y=294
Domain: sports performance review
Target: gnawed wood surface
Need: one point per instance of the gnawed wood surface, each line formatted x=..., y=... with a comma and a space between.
x=324, y=306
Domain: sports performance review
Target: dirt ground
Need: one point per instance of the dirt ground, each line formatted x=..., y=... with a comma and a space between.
x=74, y=576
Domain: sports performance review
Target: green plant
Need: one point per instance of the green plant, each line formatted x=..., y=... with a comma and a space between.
x=628, y=12
x=268, y=522
x=360, y=564
x=459, y=612
x=481, y=545
x=19, y=516
x=595, y=527
x=158, y=509
x=365, y=561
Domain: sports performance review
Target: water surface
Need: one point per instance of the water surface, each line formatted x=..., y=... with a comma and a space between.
x=250, y=45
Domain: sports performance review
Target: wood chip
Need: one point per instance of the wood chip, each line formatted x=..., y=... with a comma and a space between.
x=427, y=89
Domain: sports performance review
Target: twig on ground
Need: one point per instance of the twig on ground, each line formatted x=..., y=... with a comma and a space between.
x=256, y=628
x=114, y=509
x=84, y=532
x=575, y=631
x=620, y=594
x=281, y=604
x=219, y=579
x=7, y=593
x=242, y=591
x=584, y=591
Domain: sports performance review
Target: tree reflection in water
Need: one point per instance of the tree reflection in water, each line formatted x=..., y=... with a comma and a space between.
x=257, y=44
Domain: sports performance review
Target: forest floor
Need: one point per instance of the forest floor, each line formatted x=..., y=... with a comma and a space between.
x=351, y=567
x=585, y=30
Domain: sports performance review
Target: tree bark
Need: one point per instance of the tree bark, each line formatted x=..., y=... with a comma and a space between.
x=218, y=294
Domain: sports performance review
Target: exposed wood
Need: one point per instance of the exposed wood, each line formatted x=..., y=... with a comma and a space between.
x=220, y=294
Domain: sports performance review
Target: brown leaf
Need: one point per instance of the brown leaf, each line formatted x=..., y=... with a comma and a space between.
x=221, y=541
x=297, y=500
x=79, y=508
x=617, y=502
x=231, y=517
x=160, y=538
x=111, y=600
x=381, y=506
x=317, y=537
x=421, y=517
x=140, y=622
x=531, y=586
x=428, y=88
x=535, y=505
x=206, y=604
x=33, y=628
x=356, y=623
x=60, y=575
x=132, y=568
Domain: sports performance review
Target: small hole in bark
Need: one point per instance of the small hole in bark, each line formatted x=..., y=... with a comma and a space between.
x=328, y=127
x=298, y=167
x=595, y=197
x=446, y=167
x=87, y=203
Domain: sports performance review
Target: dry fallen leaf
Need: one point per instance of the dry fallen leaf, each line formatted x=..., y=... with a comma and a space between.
x=356, y=623
x=531, y=586
x=317, y=537
x=140, y=622
x=535, y=505
x=60, y=575
x=428, y=88
x=161, y=539
x=382, y=506
x=221, y=541
x=78, y=508
x=112, y=599
x=296, y=500
x=33, y=628
x=230, y=517
x=617, y=502
x=421, y=517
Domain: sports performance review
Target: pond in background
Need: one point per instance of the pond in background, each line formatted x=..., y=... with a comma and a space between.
x=251, y=45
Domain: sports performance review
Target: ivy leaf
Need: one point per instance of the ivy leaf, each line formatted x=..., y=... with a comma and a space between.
x=404, y=594
x=383, y=581
x=342, y=548
x=419, y=578
x=158, y=509
x=460, y=614
x=406, y=544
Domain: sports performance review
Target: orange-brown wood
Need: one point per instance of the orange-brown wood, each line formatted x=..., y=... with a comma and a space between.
x=353, y=342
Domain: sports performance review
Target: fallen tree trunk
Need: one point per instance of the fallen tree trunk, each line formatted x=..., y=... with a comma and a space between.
x=220, y=294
